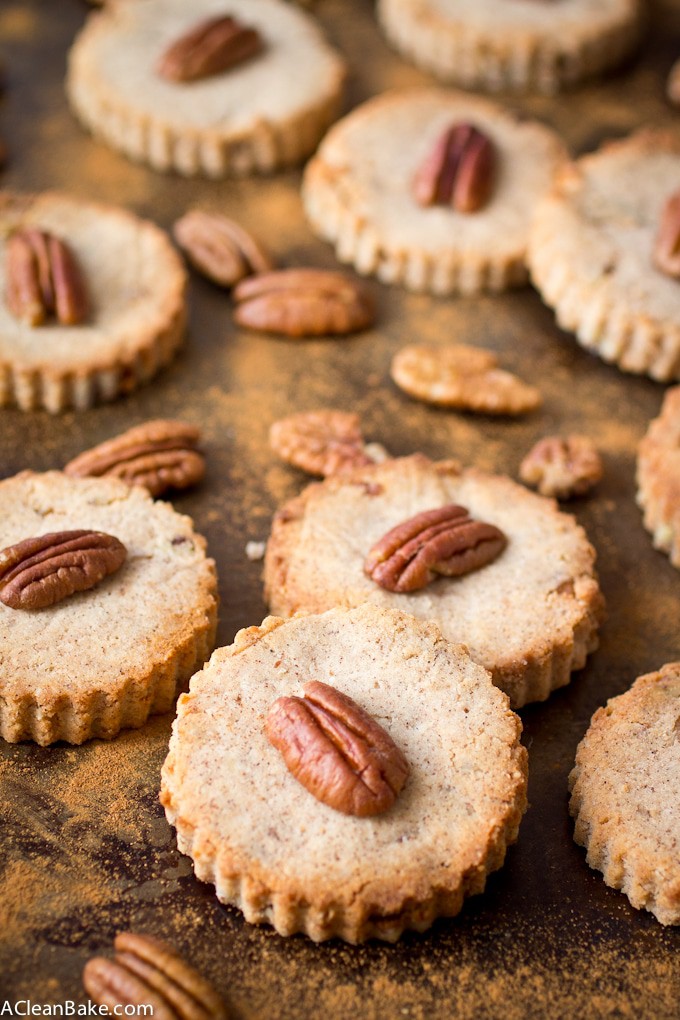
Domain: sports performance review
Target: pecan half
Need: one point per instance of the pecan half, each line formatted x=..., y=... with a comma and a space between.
x=337, y=751
x=209, y=48
x=666, y=254
x=303, y=302
x=148, y=971
x=562, y=466
x=459, y=170
x=158, y=455
x=320, y=442
x=445, y=541
x=220, y=248
x=43, y=279
x=39, y=572
x=462, y=377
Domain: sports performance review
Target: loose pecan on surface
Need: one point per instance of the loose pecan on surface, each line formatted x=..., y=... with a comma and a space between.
x=39, y=572
x=666, y=253
x=212, y=46
x=43, y=279
x=562, y=466
x=219, y=248
x=337, y=751
x=158, y=455
x=446, y=541
x=148, y=971
x=459, y=171
x=461, y=377
x=303, y=302
x=320, y=442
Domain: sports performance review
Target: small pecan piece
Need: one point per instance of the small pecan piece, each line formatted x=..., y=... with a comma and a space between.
x=459, y=170
x=43, y=279
x=303, y=302
x=462, y=377
x=220, y=248
x=148, y=971
x=158, y=455
x=209, y=48
x=320, y=442
x=337, y=751
x=445, y=541
x=666, y=254
x=562, y=466
x=39, y=572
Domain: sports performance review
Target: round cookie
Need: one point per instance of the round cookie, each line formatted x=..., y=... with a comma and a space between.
x=358, y=193
x=624, y=793
x=516, y=44
x=530, y=617
x=284, y=857
x=104, y=659
x=658, y=477
x=591, y=251
x=135, y=283
x=265, y=113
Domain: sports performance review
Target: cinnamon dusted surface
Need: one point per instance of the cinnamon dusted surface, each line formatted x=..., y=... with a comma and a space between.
x=89, y=856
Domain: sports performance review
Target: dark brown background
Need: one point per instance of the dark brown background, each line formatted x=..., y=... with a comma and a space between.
x=86, y=847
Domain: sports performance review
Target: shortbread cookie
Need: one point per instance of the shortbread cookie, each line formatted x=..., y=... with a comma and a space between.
x=624, y=793
x=104, y=659
x=530, y=617
x=136, y=313
x=262, y=114
x=358, y=192
x=591, y=253
x=658, y=477
x=285, y=857
x=517, y=44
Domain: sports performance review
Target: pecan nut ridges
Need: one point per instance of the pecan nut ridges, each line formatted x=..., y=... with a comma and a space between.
x=303, y=302
x=38, y=572
x=666, y=254
x=209, y=48
x=444, y=541
x=458, y=172
x=158, y=455
x=323, y=442
x=148, y=971
x=44, y=279
x=219, y=247
x=337, y=751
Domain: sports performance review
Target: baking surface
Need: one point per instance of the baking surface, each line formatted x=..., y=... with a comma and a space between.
x=86, y=849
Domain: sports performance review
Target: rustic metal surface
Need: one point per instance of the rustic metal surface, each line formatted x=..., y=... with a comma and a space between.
x=86, y=847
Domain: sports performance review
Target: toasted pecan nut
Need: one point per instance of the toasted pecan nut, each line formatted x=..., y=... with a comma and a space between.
x=209, y=48
x=303, y=302
x=320, y=442
x=44, y=279
x=446, y=541
x=39, y=572
x=337, y=751
x=459, y=171
x=562, y=466
x=461, y=377
x=219, y=248
x=158, y=455
x=666, y=253
x=146, y=970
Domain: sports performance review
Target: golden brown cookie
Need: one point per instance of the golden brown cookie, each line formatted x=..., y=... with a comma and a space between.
x=105, y=659
x=135, y=316
x=658, y=477
x=262, y=114
x=288, y=859
x=624, y=793
x=530, y=617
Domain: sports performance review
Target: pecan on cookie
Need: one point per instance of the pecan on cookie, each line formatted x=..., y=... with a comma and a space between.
x=459, y=171
x=212, y=46
x=44, y=279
